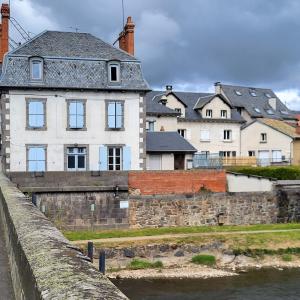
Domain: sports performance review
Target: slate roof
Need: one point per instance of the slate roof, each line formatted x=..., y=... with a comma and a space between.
x=189, y=100
x=162, y=142
x=71, y=60
x=260, y=101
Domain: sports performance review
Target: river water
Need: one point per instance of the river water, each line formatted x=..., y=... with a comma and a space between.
x=255, y=285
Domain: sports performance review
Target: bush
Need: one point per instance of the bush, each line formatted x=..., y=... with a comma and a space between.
x=280, y=173
x=138, y=264
x=203, y=259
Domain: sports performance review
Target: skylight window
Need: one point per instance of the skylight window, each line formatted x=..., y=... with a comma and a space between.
x=252, y=93
x=257, y=109
x=268, y=95
x=270, y=112
x=284, y=112
x=238, y=93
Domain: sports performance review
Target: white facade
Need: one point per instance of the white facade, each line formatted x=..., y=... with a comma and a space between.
x=166, y=161
x=56, y=135
x=276, y=147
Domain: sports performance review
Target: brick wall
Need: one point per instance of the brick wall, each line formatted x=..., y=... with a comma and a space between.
x=176, y=182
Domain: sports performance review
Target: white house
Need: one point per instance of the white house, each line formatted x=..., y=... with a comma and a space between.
x=71, y=102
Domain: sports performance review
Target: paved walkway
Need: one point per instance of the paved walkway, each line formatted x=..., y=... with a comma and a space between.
x=179, y=235
x=6, y=290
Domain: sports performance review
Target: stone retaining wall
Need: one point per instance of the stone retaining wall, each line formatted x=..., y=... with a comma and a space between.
x=85, y=210
x=203, y=209
x=43, y=263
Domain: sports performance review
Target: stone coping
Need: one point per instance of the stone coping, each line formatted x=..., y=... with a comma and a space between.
x=44, y=264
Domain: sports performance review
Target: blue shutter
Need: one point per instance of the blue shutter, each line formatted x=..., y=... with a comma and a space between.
x=103, y=158
x=126, y=158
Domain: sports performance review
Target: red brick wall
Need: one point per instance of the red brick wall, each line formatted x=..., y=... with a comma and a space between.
x=177, y=182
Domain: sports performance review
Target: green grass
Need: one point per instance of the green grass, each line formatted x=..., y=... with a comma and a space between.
x=280, y=173
x=203, y=259
x=287, y=257
x=138, y=264
x=93, y=235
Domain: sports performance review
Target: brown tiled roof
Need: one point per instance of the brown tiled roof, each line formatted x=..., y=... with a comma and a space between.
x=281, y=126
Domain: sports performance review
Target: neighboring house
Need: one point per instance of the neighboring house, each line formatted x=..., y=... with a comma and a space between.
x=271, y=141
x=168, y=151
x=208, y=121
x=71, y=102
x=254, y=103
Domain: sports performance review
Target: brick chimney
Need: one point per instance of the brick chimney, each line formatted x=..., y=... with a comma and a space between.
x=126, y=37
x=4, y=27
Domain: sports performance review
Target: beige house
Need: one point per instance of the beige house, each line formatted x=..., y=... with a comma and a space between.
x=207, y=121
x=271, y=141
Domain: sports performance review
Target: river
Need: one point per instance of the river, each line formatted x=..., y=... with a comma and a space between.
x=255, y=285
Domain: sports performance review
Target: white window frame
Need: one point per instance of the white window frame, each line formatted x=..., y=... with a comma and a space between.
x=209, y=113
x=150, y=126
x=113, y=166
x=182, y=132
x=77, y=153
x=251, y=153
x=227, y=135
x=224, y=114
x=263, y=137
x=40, y=62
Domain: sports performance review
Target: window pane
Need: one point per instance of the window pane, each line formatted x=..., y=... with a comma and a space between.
x=31, y=166
x=39, y=121
x=111, y=122
x=118, y=121
x=118, y=151
x=118, y=168
x=36, y=107
x=81, y=162
x=111, y=151
x=79, y=106
x=73, y=121
x=72, y=108
x=40, y=166
x=111, y=168
x=119, y=109
x=79, y=123
x=36, y=70
x=118, y=160
x=71, y=150
x=113, y=73
x=71, y=162
x=110, y=160
x=111, y=109
x=40, y=153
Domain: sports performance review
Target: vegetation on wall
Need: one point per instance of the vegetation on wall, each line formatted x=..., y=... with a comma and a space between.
x=280, y=173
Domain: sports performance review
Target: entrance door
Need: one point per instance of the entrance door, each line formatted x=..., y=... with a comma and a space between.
x=154, y=162
x=264, y=158
x=276, y=156
x=179, y=161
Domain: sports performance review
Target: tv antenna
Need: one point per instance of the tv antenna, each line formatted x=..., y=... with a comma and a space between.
x=76, y=29
x=123, y=13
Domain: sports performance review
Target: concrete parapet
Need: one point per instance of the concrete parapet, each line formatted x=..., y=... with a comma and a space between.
x=43, y=263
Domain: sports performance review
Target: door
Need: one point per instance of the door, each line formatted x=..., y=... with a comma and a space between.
x=154, y=162
x=263, y=158
x=179, y=161
x=276, y=156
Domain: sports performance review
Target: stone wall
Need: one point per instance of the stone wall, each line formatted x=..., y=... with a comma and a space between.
x=289, y=204
x=203, y=209
x=44, y=265
x=85, y=210
x=176, y=182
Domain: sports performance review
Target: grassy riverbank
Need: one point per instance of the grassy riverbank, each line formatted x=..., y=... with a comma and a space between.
x=94, y=235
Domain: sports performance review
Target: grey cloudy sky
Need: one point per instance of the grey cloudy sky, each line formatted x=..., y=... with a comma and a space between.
x=191, y=43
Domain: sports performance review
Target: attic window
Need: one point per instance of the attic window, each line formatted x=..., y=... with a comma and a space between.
x=252, y=93
x=268, y=95
x=36, y=69
x=257, y=109
x=238, y=93
x=114, y=72
x=270, y=112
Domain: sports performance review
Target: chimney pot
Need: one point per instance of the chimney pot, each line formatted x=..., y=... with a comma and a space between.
x=5, y=14
x=169, y=87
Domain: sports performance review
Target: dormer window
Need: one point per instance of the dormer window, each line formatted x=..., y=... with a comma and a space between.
x=36, y=69
x=208, y=113
x=238, y=93
x=252, y=93
x=114, y=72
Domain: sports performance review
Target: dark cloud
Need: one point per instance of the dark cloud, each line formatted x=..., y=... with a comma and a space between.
x=195, y=42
